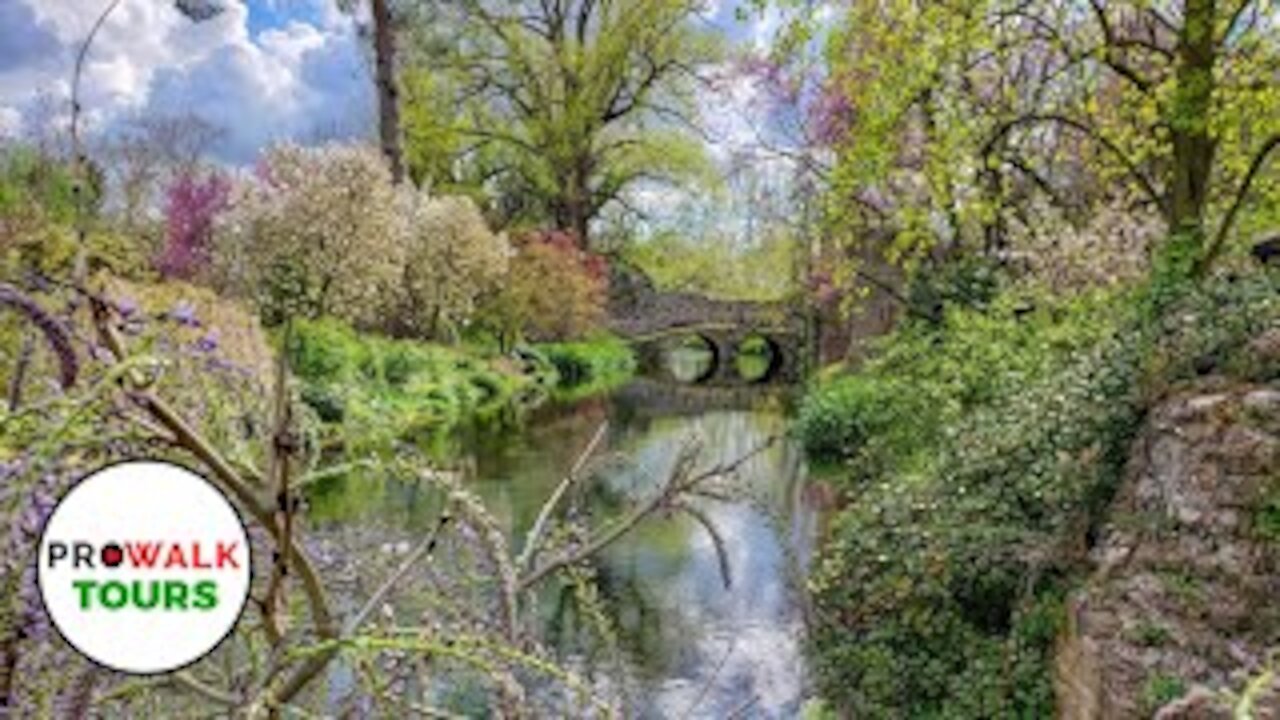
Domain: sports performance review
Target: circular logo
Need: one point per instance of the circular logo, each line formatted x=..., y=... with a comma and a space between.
x=144, y=567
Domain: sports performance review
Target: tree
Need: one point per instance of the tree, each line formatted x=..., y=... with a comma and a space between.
x=318, y=231
x=191, y=207
x=965, y=120
x=384, y=49
x=149, y=153
x=553, y=291
x=454, y=261
x=386, y=20
x=1190, y=121
x=559, y=106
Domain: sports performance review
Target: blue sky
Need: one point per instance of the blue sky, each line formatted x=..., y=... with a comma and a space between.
x=277, y=14
x=265, y=71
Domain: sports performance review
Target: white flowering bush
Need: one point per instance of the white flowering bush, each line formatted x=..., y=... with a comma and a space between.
x=453, y=261
x=315, y=231
x=1112, y=248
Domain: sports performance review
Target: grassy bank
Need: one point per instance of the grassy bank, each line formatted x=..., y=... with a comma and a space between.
x=975, y=456
x=379, y=390
x=591, y=366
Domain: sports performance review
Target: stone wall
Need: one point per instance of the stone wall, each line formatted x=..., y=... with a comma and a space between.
x=1184, y=606
x=637, y=309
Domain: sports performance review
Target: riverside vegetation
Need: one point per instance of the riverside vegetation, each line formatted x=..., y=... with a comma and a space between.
x=982, y=454
x=1034, y=241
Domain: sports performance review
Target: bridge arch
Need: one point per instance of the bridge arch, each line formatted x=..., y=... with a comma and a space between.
x=639, y=312
x=757, y=347
x=681, y=356
x=725, y=350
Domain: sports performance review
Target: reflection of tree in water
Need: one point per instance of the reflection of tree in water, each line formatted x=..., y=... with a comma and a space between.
x=636, y=621
x=659, y=587
x=665, y=597
x=632, y=576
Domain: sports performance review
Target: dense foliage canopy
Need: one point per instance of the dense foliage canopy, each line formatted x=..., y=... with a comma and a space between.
x=559, y=106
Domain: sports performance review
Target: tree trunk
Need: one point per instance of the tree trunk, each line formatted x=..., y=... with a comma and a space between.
x=384, y=49
x=1193, y=146
x=571, y=214
x=572, y=208
x=579, y=220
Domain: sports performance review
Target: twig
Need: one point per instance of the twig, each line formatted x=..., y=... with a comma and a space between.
x=81, y=269
x=55, y=334
x=424, y=548
x=741, y=710
x=544, y=516
x=680, y=480
x=208, y=692
x=706, y=687
x=275, y=604
x=717, y=541
x=193, y=442
x=20, y=371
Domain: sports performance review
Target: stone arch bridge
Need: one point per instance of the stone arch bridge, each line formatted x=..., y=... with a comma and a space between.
x=654, y=322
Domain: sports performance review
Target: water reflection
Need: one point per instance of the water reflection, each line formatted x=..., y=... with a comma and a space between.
x=690, y=361
x=695, y=648
x=755, y=358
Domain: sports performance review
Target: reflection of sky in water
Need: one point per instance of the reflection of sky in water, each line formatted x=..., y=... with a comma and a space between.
x=722, y=648
x=698, y=649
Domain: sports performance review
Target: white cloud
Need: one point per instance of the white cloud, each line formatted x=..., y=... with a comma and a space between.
x=299, y=81
x=10, y=122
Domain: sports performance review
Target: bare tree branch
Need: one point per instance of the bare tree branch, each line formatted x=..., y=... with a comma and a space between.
x=681, y=479
x=534, y=537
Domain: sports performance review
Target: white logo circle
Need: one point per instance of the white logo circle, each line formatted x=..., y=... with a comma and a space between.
x=144, y=567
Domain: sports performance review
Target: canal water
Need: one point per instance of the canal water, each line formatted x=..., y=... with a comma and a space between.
x=694, y=647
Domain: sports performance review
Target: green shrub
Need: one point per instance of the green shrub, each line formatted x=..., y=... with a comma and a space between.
x=377, y=392
x=984, y=450
x=400, y=362
x=1208, y=329
x=841, y=419
x=969, y=282
x=1161, y=690
x=488, y=386
x=590, y=362
x=976, y=444
x=328, y=404
x=322, y=350
x=925, y=378
x=1266, y=519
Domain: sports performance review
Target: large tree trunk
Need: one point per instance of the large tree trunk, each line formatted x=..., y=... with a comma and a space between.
x=384, y=49
x=573, y=209
x=1193, y=146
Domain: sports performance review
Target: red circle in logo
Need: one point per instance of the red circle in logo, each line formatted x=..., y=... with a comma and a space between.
x=112, y=555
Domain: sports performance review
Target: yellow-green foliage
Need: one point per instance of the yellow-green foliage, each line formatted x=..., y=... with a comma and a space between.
x=716, y=267
x=589, y=366
x=565, y=121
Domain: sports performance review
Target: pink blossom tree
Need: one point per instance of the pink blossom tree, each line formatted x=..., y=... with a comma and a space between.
x=192, y=202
